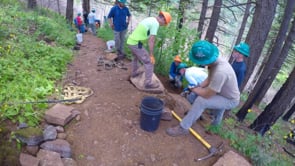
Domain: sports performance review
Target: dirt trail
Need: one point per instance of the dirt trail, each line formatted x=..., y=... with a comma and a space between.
x=109, y=134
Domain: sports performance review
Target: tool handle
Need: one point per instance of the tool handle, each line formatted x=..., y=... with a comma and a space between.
x=208, y=146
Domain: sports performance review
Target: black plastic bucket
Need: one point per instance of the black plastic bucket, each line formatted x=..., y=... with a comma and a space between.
x=150, y=113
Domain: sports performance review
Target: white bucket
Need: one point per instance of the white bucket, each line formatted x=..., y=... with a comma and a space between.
x=110, y=44
x=79, y=38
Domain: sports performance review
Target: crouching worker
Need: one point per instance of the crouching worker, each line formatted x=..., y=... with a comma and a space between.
x=194, y=76
x=218, y=92
x=175, y=78
x=173, y=70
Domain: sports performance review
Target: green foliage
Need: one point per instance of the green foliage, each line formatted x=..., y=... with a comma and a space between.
x=260, y=150
x=106, y=33
x=170, y=42
x=34, y=52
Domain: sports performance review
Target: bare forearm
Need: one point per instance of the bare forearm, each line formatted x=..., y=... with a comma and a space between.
x=204, y=92
x=151, y=44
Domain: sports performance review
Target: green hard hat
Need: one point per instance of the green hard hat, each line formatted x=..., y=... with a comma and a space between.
x=181, y=66
x=122, y=1
x=203, y=53
x=243, y=48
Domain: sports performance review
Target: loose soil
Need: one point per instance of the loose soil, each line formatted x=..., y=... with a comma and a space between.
x=109, y=132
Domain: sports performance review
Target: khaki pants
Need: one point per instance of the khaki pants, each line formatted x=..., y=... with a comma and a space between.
x=141, y=55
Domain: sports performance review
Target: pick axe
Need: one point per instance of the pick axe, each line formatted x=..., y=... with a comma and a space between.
x=212, y=150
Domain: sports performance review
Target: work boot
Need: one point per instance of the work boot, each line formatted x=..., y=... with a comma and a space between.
x=151, y=86
x=176, y=131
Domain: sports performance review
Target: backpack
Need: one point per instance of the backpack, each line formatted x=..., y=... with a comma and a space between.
x=76, y=22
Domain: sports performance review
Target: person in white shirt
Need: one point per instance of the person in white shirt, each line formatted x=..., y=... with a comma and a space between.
x=194, y=76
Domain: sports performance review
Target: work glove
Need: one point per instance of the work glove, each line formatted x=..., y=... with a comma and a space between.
x=153, y=61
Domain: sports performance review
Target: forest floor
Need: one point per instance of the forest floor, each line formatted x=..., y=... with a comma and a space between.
x=109, y=131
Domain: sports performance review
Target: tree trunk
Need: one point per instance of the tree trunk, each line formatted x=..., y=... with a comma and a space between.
x=243, y=25
x=58, y=7
x=256, y=38
x=287, y=116
x=269, y=72
x=274, y=63
x=213, y=21
x=86, y=6
x=32, y=4
x=277, y=106
x=258, y=32
x=202, y=18
x=69, y=11
x=182, y=5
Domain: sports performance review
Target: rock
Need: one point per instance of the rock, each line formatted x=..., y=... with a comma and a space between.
x=59, y=114
x=60, y=129
x=33, y=150
x=22, y=125
x=28, y=160
x=49, y=133
x=60, y=146
x=49, y=158
x=61, y=135
x=232, y=159
x=31, y=136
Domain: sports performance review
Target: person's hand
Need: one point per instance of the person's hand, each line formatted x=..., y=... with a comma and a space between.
x=153, y=61
x=112, y=26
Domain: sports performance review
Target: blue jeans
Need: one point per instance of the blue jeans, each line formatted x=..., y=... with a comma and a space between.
x=218, y=104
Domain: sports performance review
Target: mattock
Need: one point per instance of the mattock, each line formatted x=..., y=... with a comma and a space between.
x=212, y=150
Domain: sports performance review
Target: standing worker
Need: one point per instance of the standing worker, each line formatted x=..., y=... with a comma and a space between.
x=146, y=29
x=240, y=51
x=91, y=21
x=85, y=17
x=119, y=18
x=218, y=92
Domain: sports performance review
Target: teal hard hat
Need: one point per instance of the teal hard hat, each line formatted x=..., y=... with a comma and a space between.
x=243, y=48
x=203, y=53
x=181, y=66
x=122, y=1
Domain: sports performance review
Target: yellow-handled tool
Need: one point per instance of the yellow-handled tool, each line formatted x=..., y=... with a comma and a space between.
x=213, y=151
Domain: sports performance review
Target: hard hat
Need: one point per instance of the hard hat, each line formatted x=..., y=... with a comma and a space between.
x=167, y=17
x=177, y=58
x=93, y=10
x=203, y=53
x=79, y=14
x=243, y=48
x=122, y=1
x=181, y=66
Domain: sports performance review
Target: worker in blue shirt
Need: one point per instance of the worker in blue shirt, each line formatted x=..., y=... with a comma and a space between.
x=119, y=18
x=240, y=51
x=174, y=75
